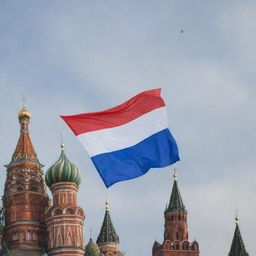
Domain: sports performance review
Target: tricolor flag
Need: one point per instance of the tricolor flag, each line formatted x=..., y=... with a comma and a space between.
x=124, y=142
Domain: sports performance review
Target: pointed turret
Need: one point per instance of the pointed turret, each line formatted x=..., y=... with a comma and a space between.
x=25, y=199
x=107, y=232
x=108, y=240
x=237, y=246
x=175, y=203
x=24, y=148
x=175, y=228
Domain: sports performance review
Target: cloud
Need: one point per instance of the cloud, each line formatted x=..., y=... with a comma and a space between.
x=69, y=59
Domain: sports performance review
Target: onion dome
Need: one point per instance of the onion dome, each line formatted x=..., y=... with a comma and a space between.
x=24, y=113
x=62, y=171
x=92, y=249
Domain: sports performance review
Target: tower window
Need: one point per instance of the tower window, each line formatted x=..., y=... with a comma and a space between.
x=28, y=236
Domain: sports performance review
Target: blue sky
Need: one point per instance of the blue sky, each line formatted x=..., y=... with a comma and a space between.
x=71, y=57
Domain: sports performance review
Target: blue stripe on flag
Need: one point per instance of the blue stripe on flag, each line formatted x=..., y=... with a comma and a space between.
x=158, y=150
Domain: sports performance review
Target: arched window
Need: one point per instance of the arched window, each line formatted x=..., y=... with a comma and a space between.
x=20, y=189
x=34, y=237
x=28, y=235
x=70, y=211
x=185, y=245
x=15, y=236
x=57, y=212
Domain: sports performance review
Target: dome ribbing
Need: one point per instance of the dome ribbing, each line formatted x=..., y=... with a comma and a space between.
x=92, y=249
x=62, y=171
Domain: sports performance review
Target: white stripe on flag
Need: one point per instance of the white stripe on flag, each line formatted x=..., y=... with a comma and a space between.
x=127, y=135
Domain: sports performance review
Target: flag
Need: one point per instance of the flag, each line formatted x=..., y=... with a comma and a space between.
x=124, y=142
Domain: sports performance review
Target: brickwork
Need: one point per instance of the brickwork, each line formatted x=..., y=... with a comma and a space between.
x=65, y=221
x=176, y=241
x=25, y=200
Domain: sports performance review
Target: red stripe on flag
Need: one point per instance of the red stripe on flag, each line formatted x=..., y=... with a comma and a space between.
x=119, y=115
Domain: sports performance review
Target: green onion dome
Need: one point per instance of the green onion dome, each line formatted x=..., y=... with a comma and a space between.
x=62, y=171
x=92, y=249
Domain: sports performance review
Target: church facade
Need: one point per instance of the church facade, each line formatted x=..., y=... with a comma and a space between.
x=32, y=224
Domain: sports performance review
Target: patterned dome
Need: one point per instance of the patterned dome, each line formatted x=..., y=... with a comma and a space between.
x=92, y=249
x=62, y=171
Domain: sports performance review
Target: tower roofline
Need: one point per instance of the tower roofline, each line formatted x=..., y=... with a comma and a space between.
x=175, y=202
x=107, y=232
x=237, y=246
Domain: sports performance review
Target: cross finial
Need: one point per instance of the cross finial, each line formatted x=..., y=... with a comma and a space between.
x=61, y=140
x=237, y=217
x=90, y=232
x=174, y=174
x=24, y=102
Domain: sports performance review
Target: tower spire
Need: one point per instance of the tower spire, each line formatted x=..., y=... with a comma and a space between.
x=24, y=149
x=176, y=228
x=108, y=240
x=65, y=238
x=107, y=232
x=25, y=230
x=237, y=246
x=175, y=203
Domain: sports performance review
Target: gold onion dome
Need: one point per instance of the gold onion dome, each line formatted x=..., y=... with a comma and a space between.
x=62, y=171
x=24, y=113
x=92, y=249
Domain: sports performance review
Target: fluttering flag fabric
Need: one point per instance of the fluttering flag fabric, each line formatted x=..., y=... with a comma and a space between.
x=124, y=142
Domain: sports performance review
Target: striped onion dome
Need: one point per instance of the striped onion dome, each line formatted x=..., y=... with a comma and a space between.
x=92, y=249
x=62, y=171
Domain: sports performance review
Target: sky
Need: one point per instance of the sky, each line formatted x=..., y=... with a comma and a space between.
x=70, y=57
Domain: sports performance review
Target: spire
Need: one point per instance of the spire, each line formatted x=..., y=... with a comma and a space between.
x=175, y=203
x=237, y=246
x=24, y=148
x=107, y=232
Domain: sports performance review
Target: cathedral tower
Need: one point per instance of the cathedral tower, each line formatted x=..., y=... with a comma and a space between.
x=176, y=229
x=25, y=200
x=108, y=240
x=65, y=219
x=237, y=246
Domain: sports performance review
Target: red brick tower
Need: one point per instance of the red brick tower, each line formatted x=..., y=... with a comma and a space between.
x=176, y=229
x=108, y=240
x=25, y=200
x=65, y=219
